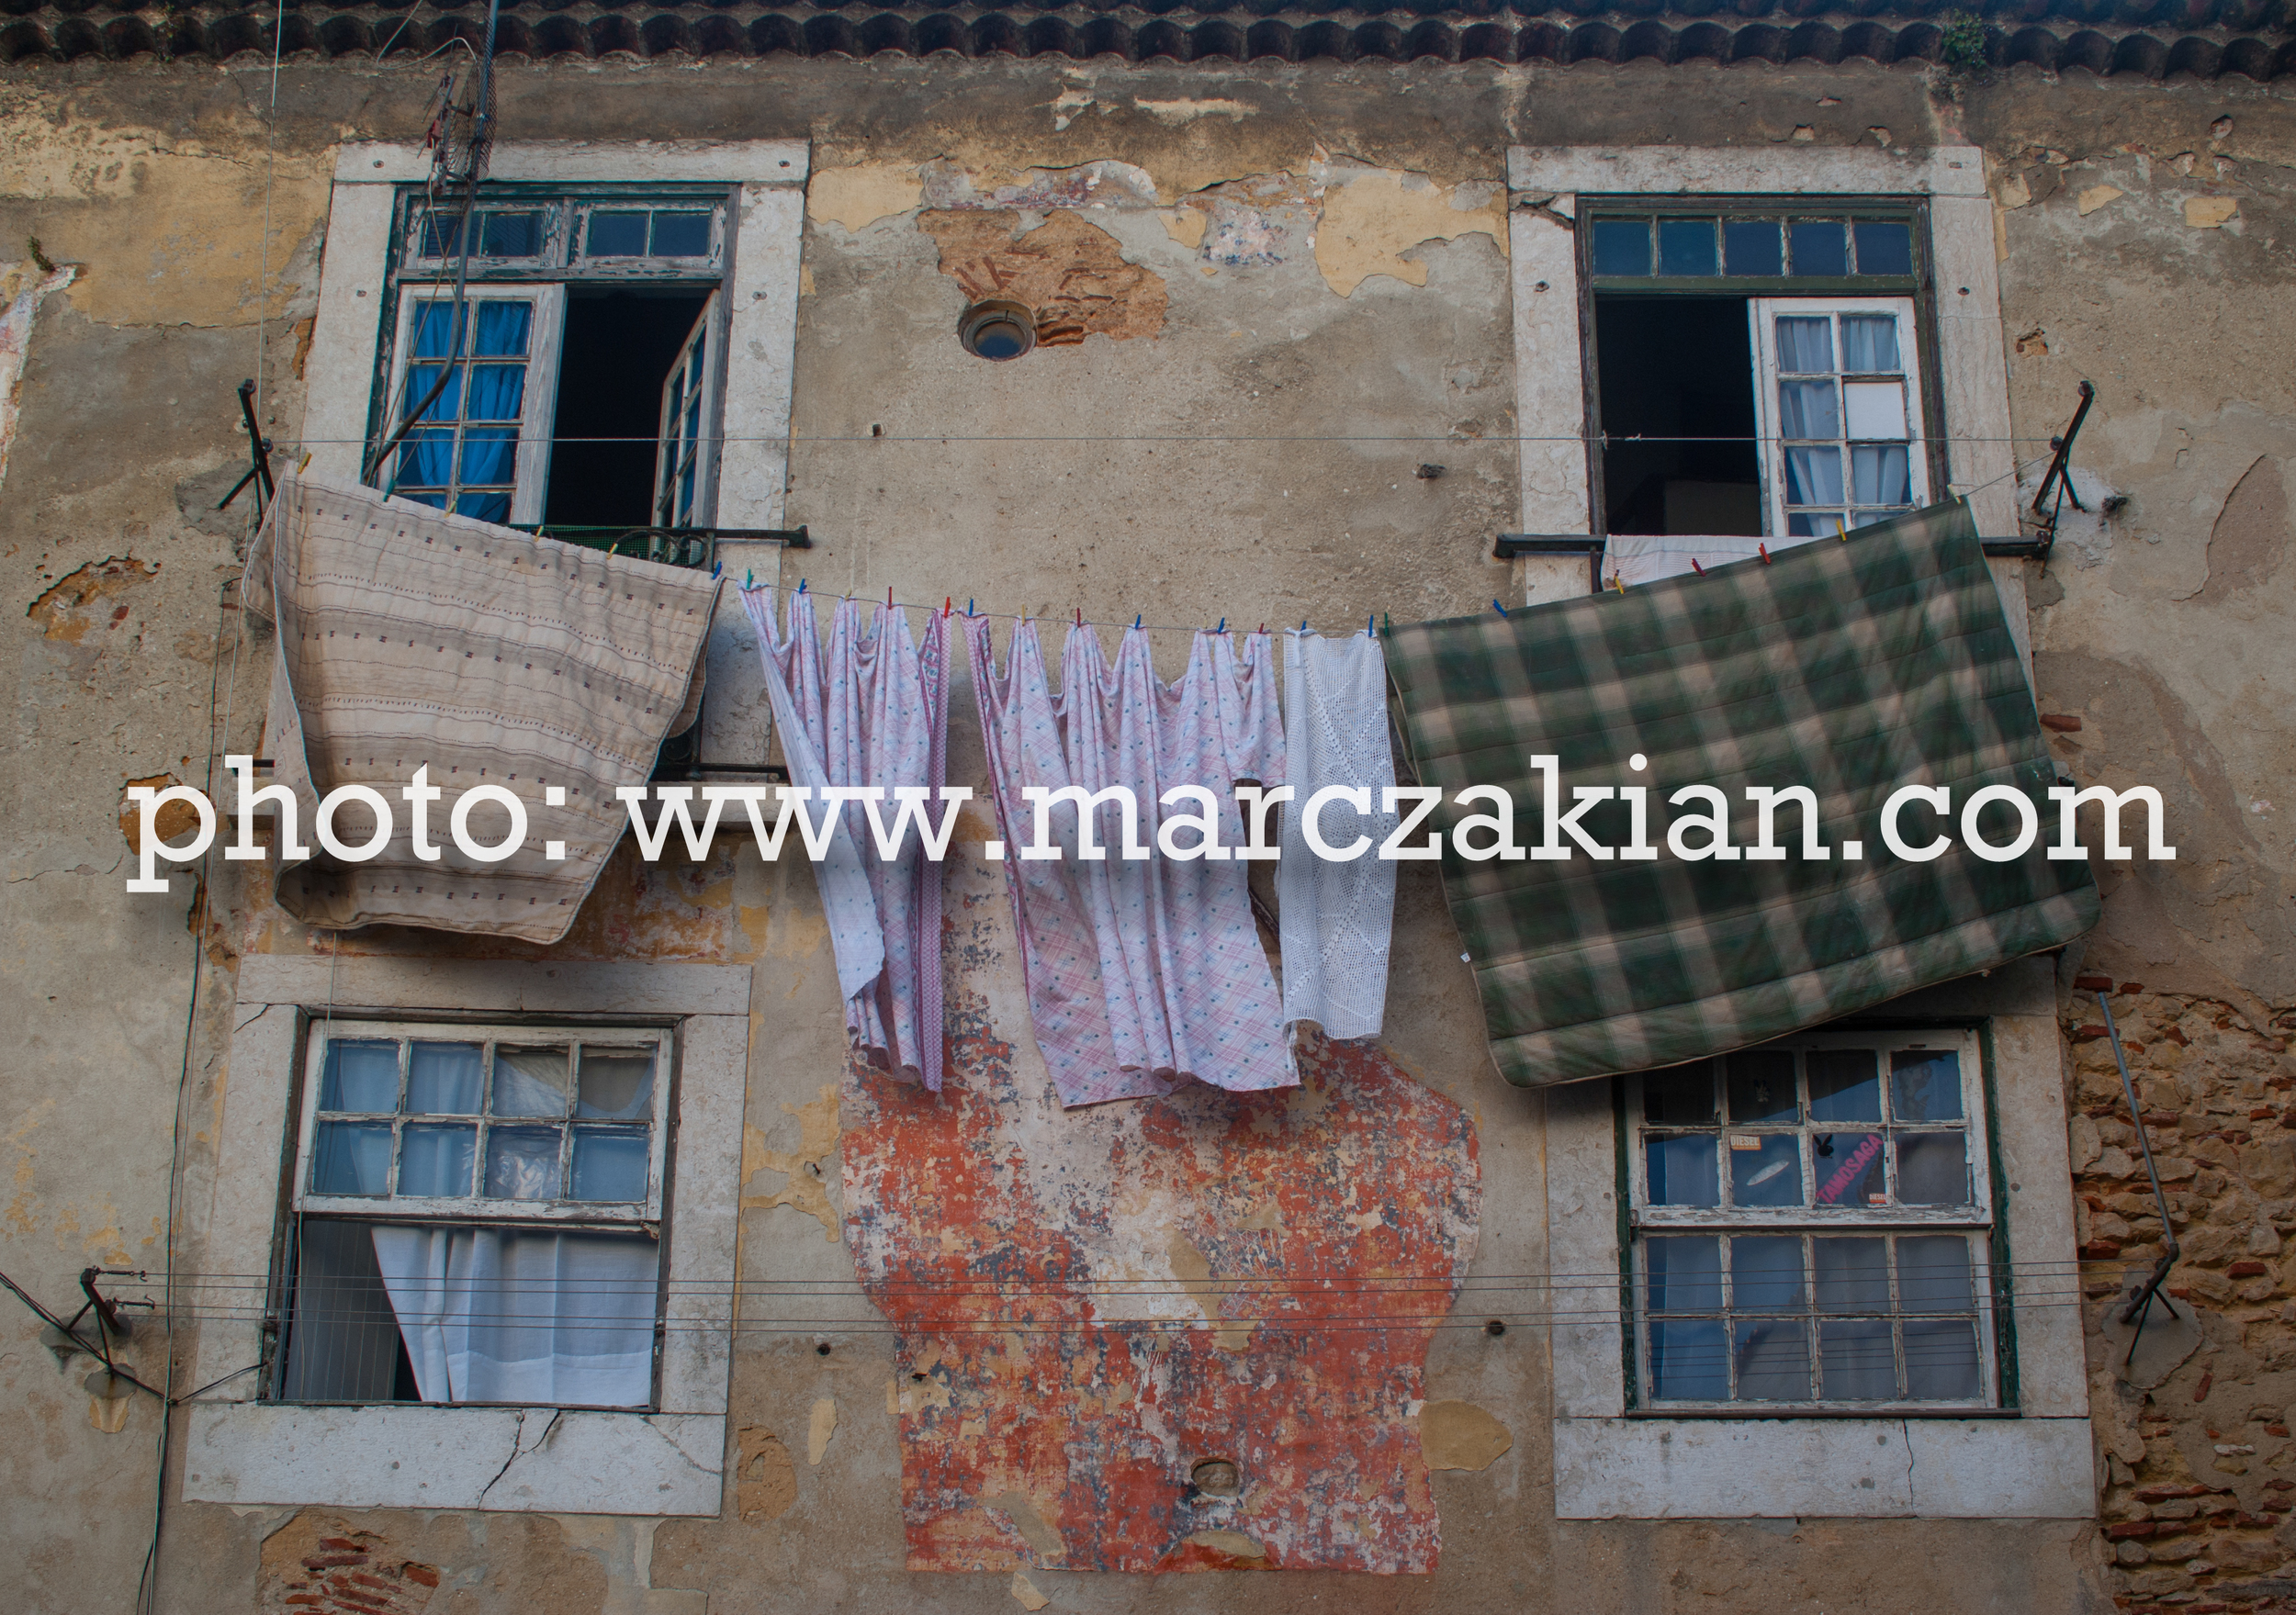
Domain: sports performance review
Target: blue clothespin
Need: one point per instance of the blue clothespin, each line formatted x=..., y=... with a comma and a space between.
x=1224, y=626
x=1136, y=617
x=968, y=605
x=1303, y=625
x=800, y=586
x=1370, y=626
x=1498, y=608
x=716, y=567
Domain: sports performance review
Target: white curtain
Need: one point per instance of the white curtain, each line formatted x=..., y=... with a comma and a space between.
x=508, y=1315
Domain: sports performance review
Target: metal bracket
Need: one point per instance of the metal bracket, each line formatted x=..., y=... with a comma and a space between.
x=258, y=453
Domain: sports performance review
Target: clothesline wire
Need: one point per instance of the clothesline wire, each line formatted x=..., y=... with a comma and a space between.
x=1203, y=437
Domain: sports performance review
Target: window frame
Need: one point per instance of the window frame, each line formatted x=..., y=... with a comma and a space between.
x=560, y=265
x=1979, y=1222
x=649, y=1213
x=1921, y=285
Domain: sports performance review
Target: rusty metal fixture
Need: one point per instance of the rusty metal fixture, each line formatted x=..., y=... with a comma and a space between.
x=996, y=329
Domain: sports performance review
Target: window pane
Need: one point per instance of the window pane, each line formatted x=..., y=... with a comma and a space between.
x=530, y=1081
x=511, y=235
x=445, y=406
x=434, y=328
x=502, y=327
x=1688, y=1361
x=617, y=235
x=441, y=235
x=350, y=1158
x=436, y=1160
x=444, y=1079
x=1820, y=247
x=1815, y=524
x=618, y=1083
x=484, y=507
x=1885, y=248
x=1681, y=1171
x=1849, y=1169
x=1940, y=1361
x=1933, y=1274
x=610, y=1163
x=1854, y=1361
x=1869, y=343
x=490, y=456
x=1805, y=343
x=1875, y=409
x=682, y=235
x=1932, y=1169
x=1751, y=246
x=1681, y=1096
x=1761, y=1086
x=1773, y=1359
x=1925, y=1085
x=1808, y=408
x=1621, y=246
x=523, y=1164
x=1845, y=1085
x=361, y=1074
x=1770, y=1174
x=1765, y=1273
x=1851, y=1275
x=1813, y=477
x=1686, y=1274
x=1686, y=246
x=496, y=392
x=1878, y=475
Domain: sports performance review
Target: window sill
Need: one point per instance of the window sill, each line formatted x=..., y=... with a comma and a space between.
x=1895, y=1466
x=536, y=1459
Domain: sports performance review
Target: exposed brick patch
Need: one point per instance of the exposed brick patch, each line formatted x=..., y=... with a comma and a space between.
x=341, y=1573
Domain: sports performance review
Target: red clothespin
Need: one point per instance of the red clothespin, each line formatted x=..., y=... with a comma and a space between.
x=1765, y=552
x=1695, y=566
x=1080, y=616
x=949, y=605
x=888, y=597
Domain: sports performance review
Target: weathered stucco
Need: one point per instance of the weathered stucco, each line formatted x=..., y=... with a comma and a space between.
x=1331, y=312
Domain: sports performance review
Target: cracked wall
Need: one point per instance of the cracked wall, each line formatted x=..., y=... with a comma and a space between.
x=1334, y=313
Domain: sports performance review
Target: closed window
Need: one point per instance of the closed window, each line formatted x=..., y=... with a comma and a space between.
x=1812, y=1226
x=478, y=1215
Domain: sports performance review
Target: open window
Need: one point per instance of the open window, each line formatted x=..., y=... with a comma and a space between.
x=1756, y=370
x=478, y=1216
x=578, y=381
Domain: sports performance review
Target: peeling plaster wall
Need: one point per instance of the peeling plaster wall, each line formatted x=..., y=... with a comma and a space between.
x=1326, y=246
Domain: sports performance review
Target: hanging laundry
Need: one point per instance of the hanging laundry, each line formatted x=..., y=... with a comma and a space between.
x=1636, y=558
x=872, y=710
x=1142, y=972
x=1337, y=918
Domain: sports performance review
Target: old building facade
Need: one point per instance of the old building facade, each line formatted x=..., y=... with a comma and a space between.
x=1330, y=313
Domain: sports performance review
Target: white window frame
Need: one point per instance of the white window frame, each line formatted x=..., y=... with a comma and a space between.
x=1762, y=313
x=2032, y=1461
x=537, y=406
x=476, y=1209
x=1973, y=1220
x=243, y=1450
x=700, y=364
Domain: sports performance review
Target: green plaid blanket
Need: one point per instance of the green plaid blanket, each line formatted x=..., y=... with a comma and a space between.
x=1853, y=667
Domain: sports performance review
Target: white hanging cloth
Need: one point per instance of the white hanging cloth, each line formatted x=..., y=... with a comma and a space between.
x=1634, y=558
x=515, y=1315
x=1337, y=918
x=1142, y=972
x=873, y=710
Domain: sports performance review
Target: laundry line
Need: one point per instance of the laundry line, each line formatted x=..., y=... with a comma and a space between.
x=1075, y=620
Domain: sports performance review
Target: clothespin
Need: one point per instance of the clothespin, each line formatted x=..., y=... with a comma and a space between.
x=1136, y=617
x=1498, y=608
x=1765, y=552
x=947, y=605
x=800, y=586
x=968, y=605
x=1372, y=625
x=716, y=567
x=1618, y=581
x=1303, y=625
x=1840, y=531
x=1224, y=626
x=1080, y=616
x=1389, y=621
x=1262, y=628
x=888, y=597
x=1695, y=566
